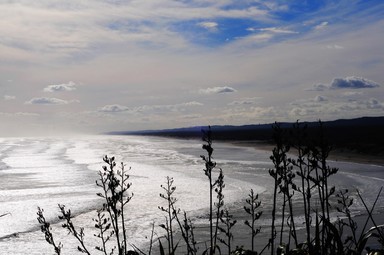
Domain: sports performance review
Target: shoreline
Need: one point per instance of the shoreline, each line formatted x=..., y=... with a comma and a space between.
x=338, y=154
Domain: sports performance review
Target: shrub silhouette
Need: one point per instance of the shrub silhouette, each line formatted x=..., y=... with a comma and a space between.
x=304, y=176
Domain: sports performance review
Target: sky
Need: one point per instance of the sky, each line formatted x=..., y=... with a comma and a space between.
x=90, y=66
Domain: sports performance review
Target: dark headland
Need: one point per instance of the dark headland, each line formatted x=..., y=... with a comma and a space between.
x=362, y=136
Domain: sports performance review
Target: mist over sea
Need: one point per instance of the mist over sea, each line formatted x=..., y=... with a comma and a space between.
x=47, y=171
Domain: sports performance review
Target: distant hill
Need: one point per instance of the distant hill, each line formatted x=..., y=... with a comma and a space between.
x=362, y=135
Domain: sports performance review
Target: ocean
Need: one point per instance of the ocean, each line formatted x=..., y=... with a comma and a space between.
x=45, y=172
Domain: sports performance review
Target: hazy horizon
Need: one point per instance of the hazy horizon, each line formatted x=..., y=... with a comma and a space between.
x=98, y=66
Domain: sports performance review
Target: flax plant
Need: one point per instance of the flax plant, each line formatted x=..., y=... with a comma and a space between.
x=251, y=209
x=219, y=184
x=185, y=225
x=308, y=174
x=110, y=221
x=229, y=223
x=208, y=171
x=187, y=232
x=320, y=153
x=171, y=212
x=278, y=158
x=46, y=228
x=299, y=141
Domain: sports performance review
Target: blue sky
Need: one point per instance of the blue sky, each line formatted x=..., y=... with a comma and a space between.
x=94, y=66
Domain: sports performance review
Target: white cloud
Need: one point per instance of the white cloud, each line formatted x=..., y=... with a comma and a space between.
x=47, y=101
x=113, y=108
x=8, y=97
x=211, y=26
x=70, y=86
x=217, y=90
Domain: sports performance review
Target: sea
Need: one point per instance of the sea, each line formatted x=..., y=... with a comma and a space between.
x=46, y=171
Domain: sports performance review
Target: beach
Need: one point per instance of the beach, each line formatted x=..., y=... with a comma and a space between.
x=44, y=172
